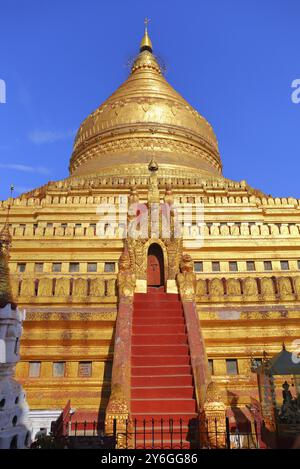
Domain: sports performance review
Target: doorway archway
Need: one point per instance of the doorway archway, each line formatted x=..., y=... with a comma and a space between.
x=155, y=266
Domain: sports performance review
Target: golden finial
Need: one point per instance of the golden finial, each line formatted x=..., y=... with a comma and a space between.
x=146, y=43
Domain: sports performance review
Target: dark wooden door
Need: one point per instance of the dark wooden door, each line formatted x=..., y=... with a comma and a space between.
x=155, y=266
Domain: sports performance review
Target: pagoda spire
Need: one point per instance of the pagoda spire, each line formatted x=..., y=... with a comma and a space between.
x=146, y=43
x=5, y=243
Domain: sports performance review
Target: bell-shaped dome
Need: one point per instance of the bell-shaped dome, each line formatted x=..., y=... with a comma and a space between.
x=145, y=118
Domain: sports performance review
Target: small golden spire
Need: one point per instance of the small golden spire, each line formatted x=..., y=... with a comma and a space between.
x=5, y=242
x=146, y=43
x=5, y=236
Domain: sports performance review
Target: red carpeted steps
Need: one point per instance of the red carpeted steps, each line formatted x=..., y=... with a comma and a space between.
x=161, y=375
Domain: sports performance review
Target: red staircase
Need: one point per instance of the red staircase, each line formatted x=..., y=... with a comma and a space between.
x=163, y=404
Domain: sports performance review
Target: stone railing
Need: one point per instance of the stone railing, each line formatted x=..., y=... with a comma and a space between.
x=62, y=287
x=205, y=198
x=270, y=289
x=243, y=229
x=190, y=231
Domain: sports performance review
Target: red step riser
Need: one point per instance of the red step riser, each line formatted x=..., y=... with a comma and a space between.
x=157, y=295
x=159, y=350
x=155, y=313
x=157, y=430
x=152, y=361
x=165, y=321
x=165, y=443
x=143, y=381
x=165, y=446
x=163, y=305
x=161, y=381
x=156, y=426
x=164, y=393
x=175, y=405
x=160, y=370
x=159, y=329
x=186, y=419
x=157, y=300
x=161, y=340
x=158, y=437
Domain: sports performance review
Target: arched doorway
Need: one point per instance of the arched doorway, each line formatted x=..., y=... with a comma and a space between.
x=155, y=266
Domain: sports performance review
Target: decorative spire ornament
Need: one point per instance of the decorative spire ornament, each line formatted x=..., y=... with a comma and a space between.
x=153, y=191
x=146, y=43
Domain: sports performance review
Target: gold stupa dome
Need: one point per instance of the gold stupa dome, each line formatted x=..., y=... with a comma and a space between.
x=145, y=118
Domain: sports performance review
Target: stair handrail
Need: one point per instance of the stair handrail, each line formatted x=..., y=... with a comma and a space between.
x=186, y=281
x=118, y=408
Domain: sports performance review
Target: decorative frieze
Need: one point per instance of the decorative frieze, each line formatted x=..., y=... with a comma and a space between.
x=249, y=289
x=62, y=287
x=191, y=231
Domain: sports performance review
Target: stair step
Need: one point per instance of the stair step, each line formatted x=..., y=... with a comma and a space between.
x=180, y=349
x=158, y=329
x=146, y=360
x=158, y=435
x=163, y=445
x=159, y=425
x=160, y=370
x=171, y=392
x=157, y=308
x=163, y=304
x=163, y=405
x=177, y=380
x=159, y=339
x=186, y=419
x=157, y=296
x=157, y=312
x=163, y=321
x=156, y=432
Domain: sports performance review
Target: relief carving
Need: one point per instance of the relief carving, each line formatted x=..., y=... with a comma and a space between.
x=201, y=288
x=80, y=287
x=267, y=289
x=97, y=287
x=297, y=286
x=111, y=287
x=233, y=287
x=27, y=287
x=45, y=287
x=285, y=288
x=62, y=287
x=216, y=289
x=250, y=288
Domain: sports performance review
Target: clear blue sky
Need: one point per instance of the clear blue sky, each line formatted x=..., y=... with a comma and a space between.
x=233, y=60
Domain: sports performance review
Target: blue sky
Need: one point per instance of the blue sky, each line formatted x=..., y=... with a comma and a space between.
x=233, y=60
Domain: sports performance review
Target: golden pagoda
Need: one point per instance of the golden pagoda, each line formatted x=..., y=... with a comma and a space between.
x=243, y=280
